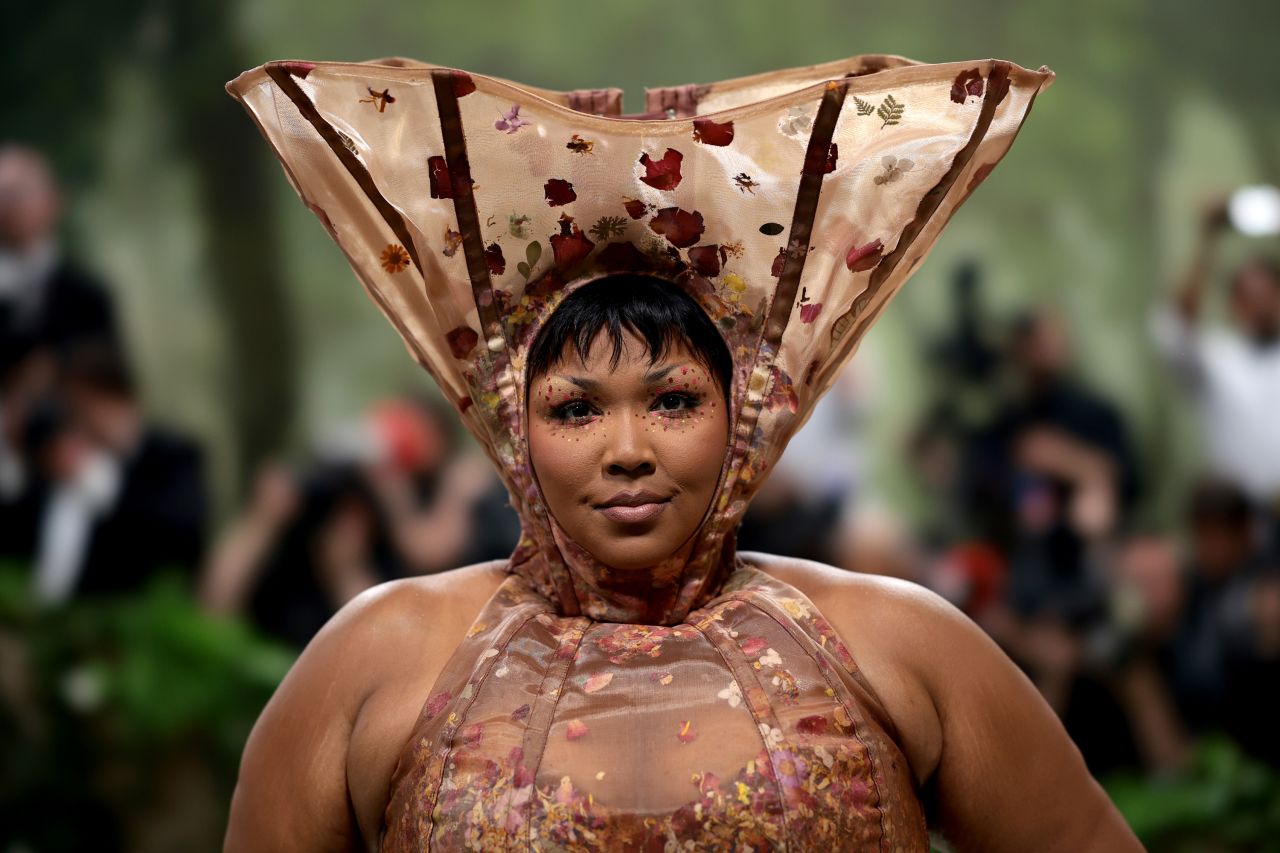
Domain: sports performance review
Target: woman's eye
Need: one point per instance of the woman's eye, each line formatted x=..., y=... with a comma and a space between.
x=674, y=402
x=576, y=410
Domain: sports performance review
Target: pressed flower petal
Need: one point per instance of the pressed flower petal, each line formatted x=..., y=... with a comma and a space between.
x=597, y=682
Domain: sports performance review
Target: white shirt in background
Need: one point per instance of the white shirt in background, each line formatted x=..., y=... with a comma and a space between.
x=1236, y=386
x=67, y=523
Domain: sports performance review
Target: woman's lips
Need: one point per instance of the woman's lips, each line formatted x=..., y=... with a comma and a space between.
x=634, y=514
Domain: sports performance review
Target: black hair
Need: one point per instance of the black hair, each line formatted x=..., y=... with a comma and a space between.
x=99, y=363
x=657, y=311
x=1268, y=266
x=1216, y=500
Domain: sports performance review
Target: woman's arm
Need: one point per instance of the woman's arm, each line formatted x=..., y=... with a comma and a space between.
x=1008, y=777
x=292, y=790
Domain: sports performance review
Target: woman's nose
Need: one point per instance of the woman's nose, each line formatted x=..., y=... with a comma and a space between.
x=628, y=451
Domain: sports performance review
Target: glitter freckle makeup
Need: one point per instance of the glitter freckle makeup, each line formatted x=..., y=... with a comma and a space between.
x=599, y=430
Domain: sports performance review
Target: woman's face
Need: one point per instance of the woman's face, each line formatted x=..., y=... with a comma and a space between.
x=628, y=458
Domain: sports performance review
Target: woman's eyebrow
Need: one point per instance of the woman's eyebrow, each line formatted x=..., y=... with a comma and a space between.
x=659, y=375
x=584, y=384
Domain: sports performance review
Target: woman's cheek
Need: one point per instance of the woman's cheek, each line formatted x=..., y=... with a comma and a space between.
x=694, y=447
x=563, y=458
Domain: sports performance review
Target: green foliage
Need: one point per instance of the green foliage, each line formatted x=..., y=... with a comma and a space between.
x=864, y=107
x=118, y=688
x=1224, y=801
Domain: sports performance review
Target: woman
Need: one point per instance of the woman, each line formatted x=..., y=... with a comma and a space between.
x=626, y=680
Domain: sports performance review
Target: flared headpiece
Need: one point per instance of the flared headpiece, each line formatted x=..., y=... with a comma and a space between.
x=791, y=205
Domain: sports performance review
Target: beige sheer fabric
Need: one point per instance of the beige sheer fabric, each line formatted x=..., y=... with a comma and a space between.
x=704, y=705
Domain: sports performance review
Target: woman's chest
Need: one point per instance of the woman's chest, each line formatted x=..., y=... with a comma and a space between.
x=742, y=727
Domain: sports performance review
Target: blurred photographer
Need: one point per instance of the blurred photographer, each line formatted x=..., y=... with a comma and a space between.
x=1233, y=373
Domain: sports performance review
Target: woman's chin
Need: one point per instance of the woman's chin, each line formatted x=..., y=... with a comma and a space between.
x=637, y=552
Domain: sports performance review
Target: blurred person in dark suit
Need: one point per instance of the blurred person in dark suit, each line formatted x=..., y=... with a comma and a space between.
x=1224, y=557
x=1233, y=374
x=386, y=496
x=1202, y=644
x=23, y=375
x=1050, y=482
x=308, y=544
x=47, y=304
x=45, y=301
x=124, y=498
x=1059, y=461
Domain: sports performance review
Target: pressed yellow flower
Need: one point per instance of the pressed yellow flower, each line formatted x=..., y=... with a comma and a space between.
x=394, y=258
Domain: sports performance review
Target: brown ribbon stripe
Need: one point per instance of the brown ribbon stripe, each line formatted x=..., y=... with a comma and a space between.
x=284, y=79
x=464, y=202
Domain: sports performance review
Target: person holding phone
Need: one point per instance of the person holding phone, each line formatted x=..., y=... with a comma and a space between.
x=1233, y=373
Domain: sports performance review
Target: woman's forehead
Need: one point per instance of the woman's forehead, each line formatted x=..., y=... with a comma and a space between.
x=628, y=353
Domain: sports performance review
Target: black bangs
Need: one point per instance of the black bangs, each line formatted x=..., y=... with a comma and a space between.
x=656, y=311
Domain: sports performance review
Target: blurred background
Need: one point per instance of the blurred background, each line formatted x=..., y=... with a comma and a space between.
x=1068, y=425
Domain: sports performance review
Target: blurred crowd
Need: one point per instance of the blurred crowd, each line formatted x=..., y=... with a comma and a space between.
x=98, y=499
x=1141, y=636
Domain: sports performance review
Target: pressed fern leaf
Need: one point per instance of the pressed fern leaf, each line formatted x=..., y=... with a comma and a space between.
x=890, y=111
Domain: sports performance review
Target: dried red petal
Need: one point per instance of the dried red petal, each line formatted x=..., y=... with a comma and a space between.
x=812, y=725
x=810, y=311
x=662, y=174
x=493, y=257
x=521, y=713
x=558, y=192
x=967, y=82
x=681, y=227
x=471, y=735
x=706, y=260
x=863, y=258
x=462, y=341
x=570, y=245
x=709, y=132
x=441, y=180
x=776, y=269
x=462, y=84
x=620, y=257
x=635, y=207
x=437, y=703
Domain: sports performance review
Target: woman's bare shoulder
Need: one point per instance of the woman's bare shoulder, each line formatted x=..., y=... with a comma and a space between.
x=330, y=721
x=421, y=612
x=850, y=591
x=881, y=620
x=968, y=716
